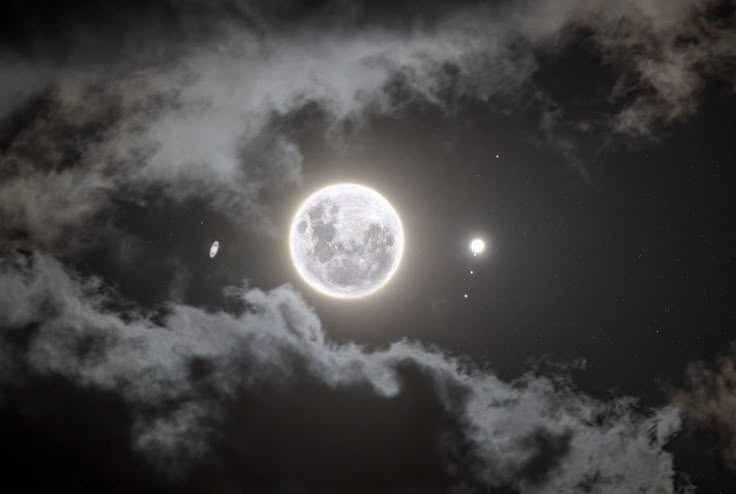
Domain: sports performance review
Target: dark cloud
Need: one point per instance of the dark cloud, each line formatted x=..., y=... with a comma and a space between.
x=709, y=399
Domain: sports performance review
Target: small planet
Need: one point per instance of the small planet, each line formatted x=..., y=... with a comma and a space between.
x=214, y=248
x=477, y=246
x=346, y=240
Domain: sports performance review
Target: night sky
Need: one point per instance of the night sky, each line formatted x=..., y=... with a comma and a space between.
x=589, y=143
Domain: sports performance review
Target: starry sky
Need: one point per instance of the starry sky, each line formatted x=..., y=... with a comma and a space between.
x=590, y=143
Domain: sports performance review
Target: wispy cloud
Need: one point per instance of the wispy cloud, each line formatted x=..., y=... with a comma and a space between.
x=200, y=121
x=709, y=399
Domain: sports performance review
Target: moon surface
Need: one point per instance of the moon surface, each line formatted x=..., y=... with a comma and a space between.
x=346, y=240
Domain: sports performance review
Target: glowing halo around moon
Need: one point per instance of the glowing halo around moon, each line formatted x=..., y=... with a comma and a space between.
x=346, y=240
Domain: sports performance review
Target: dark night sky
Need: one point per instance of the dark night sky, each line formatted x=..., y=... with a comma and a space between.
x=591, y=144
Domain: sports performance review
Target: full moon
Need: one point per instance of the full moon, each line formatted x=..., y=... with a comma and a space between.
x=346, y=240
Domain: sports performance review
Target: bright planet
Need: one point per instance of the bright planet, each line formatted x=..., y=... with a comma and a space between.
x=477, y=246
x=346, y=240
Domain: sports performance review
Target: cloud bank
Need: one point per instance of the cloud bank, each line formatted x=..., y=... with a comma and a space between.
x=201, y=116
x=536, y=434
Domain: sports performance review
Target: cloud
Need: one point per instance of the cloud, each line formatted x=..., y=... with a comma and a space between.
x=203, y=124
x=668, y=50
x=662, y=52
x=709, y=399
x=201, y=116
x=181, y=371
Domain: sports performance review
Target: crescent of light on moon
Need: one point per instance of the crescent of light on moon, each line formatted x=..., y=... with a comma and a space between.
x=382, y=208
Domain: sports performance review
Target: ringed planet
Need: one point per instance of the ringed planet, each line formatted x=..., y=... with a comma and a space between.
x=346, y=240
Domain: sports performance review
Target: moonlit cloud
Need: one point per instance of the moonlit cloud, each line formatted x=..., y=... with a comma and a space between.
x=200, y=122
x=536, y=433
